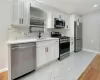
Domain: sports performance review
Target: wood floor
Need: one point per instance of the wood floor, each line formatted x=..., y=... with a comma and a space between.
x=4, y=76
x=93, y=70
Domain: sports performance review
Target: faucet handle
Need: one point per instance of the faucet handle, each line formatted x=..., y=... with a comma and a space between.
x=39, y=34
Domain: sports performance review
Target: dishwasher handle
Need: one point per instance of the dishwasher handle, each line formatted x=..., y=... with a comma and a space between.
x=23, y=47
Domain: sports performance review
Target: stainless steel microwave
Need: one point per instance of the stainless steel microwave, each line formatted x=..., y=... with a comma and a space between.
x=59, y=23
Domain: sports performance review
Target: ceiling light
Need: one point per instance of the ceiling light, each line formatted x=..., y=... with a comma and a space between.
x=95, y=5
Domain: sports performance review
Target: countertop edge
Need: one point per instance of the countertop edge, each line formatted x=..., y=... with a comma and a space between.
x=10, y=42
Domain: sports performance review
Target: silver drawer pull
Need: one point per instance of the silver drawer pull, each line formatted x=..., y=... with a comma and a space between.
x=23, y=47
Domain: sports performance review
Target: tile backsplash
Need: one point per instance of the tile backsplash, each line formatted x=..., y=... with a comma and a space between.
x=16, y=33
x=23, y=33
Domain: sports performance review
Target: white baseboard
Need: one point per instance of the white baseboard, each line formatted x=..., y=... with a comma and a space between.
x=91, y=51
x=3, y=70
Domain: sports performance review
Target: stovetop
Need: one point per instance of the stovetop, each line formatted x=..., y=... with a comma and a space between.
x=58, y=35
x=63, y=38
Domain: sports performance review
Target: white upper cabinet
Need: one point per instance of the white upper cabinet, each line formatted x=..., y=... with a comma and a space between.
x=58, y=15
x=50, y=20
x=17, y=11
x=21, y=10
x=26, y=13
x=66, y=17
x=24, y=10
x=52, y=15
x=76, y=17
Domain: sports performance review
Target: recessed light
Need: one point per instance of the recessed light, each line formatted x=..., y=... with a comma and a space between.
x=95, y=5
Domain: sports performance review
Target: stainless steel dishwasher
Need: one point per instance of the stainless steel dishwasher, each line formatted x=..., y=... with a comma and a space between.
x=23, y=59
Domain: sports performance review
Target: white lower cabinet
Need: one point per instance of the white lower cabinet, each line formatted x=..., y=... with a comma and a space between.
x=55, y=50
x=48, y=54
x=40, y=56
x=47, y=51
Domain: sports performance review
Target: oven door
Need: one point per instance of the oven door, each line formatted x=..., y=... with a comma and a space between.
x=64, y=47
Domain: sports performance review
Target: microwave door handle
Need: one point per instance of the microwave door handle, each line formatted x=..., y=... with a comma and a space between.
x=64, y=23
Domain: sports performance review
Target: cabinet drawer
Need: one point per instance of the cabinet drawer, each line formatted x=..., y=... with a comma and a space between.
x=45, y=43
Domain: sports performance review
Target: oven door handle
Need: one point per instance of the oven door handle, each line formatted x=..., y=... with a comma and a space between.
x=65, y=42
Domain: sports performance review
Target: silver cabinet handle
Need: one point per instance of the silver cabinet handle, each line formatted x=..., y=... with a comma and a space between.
x=45, y=49
x=30, y=4
x=60, y=16
x=19, y=20
x=22, y=21
x=23, y=47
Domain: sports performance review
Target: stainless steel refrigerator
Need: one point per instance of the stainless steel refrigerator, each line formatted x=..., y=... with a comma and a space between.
x=78, y=36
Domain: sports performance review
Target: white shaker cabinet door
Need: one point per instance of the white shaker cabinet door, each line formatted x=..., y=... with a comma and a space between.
x=40, y=53
x=46, y=52
x=55, y=47
x=52, y=51
x=17, y=11
x=49, y=53
x=50, y=20
x=26, y=13
x=21, y=13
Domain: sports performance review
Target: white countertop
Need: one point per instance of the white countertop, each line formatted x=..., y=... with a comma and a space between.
x=29, y=40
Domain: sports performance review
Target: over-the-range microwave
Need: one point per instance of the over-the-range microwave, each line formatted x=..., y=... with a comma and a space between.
x=59, y=23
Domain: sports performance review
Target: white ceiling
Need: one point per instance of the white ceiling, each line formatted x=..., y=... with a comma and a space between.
x=73, y=6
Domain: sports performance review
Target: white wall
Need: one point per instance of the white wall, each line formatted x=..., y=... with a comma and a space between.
x=91, y=31
x=4, y=22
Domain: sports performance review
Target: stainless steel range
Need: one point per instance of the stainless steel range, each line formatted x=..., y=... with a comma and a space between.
x=64, y=45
